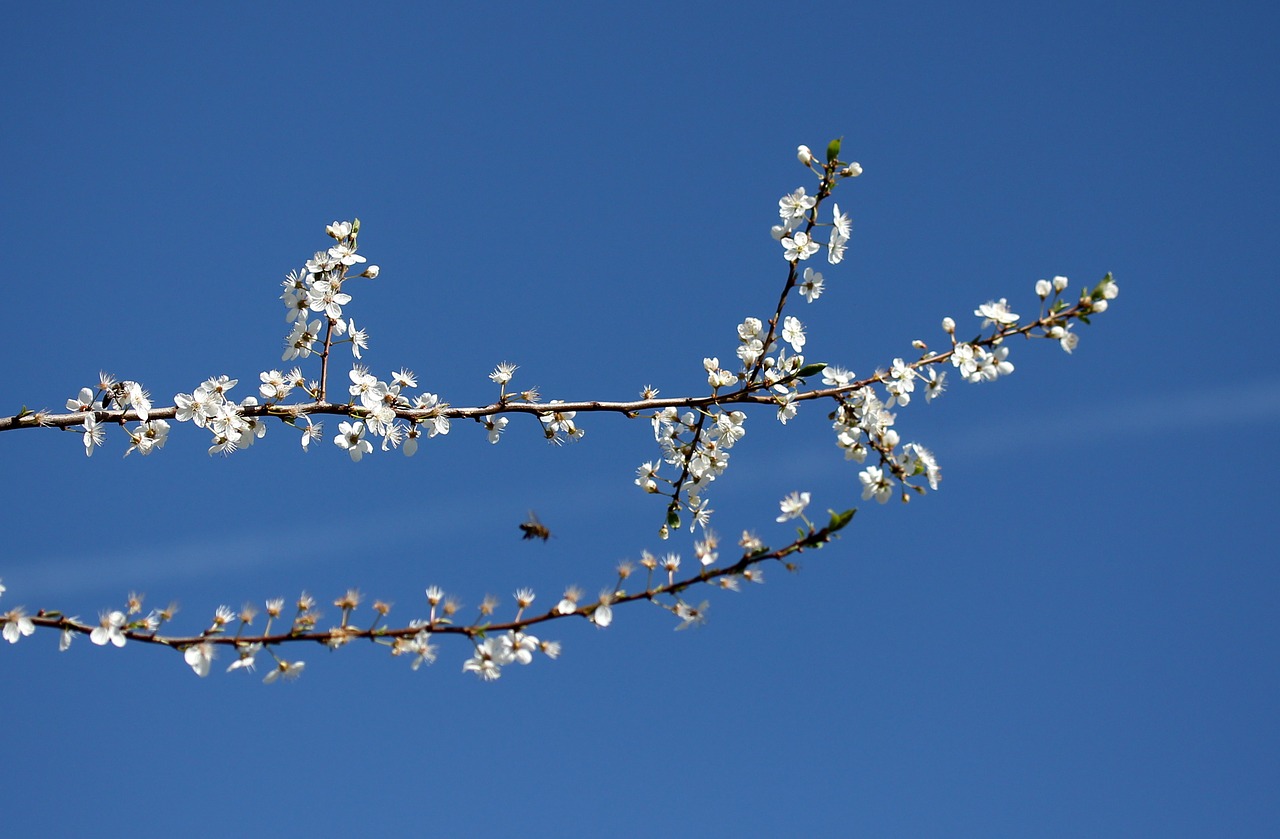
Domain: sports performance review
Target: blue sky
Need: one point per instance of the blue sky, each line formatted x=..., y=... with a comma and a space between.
x=1075, y=636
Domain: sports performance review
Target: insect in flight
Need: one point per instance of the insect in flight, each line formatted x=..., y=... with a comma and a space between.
x=534, y=528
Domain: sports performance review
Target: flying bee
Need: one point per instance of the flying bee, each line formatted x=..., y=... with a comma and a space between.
x=534, y=528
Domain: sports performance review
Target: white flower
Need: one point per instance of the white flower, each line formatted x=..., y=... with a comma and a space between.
x=843, y=225
x=795, y=205
x=358, y=337
x=835, y=248
x=799, y=246
x=602, y=614
x=997, y=312
x=569, y=603
x=1060, y=283
x=247, y=653
x=110, y=628
x=488, y=660
x=811, y=287
x=793, y=333
x=199, y=656
x=875, y=483
x=313, y=431
x=94, y=434
x=793, y=506
x=935, y=383
x=502, y=373
x=964, y=358
x=804, y=155
x=345, y=253
x=16, y=625
x=411, y=439
x=1043, y=288
x=992, y=365
x=917, y=460
x=424, y=652
x=325, y=296
x=494, y=427
x=787, y=406
x=835, y=376
x=287, y=669
x=646, y=476
x=301, y=339
x=274, y=386
x=82, y=403
x=691, y=615
x=518, y=647
x=148, y=437
x=351, y=438
x=138, y=399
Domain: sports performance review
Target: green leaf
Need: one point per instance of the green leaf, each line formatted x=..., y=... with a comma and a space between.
x=839, y=520
x=673, y=519
x=833, y=149
x=812, y=369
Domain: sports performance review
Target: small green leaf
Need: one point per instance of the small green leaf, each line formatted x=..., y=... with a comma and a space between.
x=839, y=520
x=833, y=149
x=673, y=519
x=811, y=369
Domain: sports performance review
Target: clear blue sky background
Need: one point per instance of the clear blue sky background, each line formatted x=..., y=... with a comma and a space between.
x=1076, y=637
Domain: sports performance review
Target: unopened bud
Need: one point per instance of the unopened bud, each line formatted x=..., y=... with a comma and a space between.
x=804, y=155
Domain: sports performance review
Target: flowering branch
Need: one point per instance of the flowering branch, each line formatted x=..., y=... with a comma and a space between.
x=694, y=434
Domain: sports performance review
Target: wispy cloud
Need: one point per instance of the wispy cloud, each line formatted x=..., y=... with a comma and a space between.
x=1195, y=411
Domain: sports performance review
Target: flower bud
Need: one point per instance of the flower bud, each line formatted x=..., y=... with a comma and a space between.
x=949, y=326
x=371, y=272
x=1100, y=306
x=853, y=170
x=1059, y=283
x=804, y=155
x=1043, y=287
